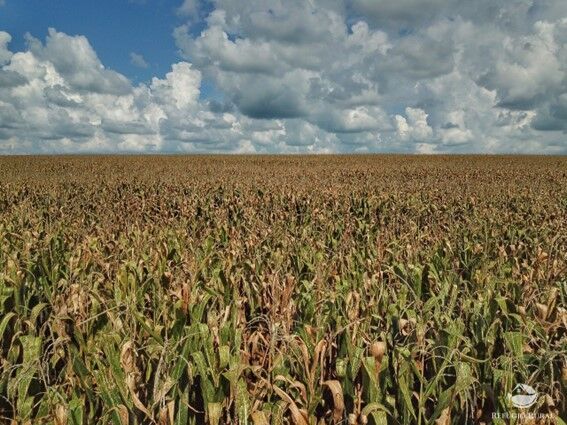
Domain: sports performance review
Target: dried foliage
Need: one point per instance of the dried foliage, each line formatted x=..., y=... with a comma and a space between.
x=281, y=290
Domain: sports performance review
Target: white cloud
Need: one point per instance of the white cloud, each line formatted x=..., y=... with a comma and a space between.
x=45, y=107
x=5, y=54
x=405, y=13
x=346, y=70
x=189, y=8
x=307, y=76
x=238, y=56
x=51, y=102
x=138, y=60
x=528, y=70
x=74, y=60
x=182, y=85
x=414, y=126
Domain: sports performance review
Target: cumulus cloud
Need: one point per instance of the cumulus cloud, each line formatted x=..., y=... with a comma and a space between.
x=181, y=85
x=75, y=61
x=49, y=102
x=189, y=8
x=281, y=64
x=456, y=70
x=138, y=60
x=5, y=54
x=414, y=126
x=307, y=76
x=528, y=70
x=405, y=13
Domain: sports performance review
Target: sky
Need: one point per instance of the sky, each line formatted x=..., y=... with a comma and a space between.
x=283, y=76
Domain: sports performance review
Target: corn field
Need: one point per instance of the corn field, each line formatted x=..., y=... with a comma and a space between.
x=282, y=290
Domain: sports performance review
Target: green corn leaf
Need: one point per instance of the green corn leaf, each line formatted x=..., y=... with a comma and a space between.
x=4, y=323
x=370, y=383
x=182, y=411
x=242, y=402
x=214, y=413
x=514, y=343
x=181, y=364
x=31, y=346
x=76, y=411
x=36, y=311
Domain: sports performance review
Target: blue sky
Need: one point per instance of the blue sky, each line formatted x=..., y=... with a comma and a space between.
x=115, y=28
x=262, y=76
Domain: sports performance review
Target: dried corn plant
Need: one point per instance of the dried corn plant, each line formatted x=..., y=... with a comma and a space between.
x=281, y=290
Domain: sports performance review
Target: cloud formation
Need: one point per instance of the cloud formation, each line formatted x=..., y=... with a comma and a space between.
x=317, y=76
x=58, y=97
x=138, y=60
